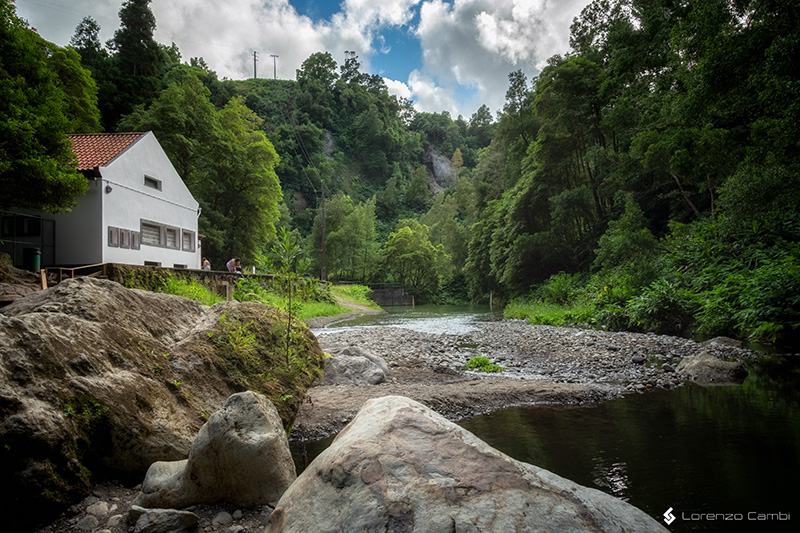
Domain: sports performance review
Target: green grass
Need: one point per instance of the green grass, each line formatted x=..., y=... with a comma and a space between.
x=355, y=293
x=192, y=290
x=545, y=313
x=302, y=309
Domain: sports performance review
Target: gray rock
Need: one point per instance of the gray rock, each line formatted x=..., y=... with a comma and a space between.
x=99, y=509
x=241, y=456
x=352, y=370
x=113, y=521
x=399, y=466
x=221, y=519
x=237, y=514
x=724, y=341
x=88, y=523
x=90, y=357
x=706, y=369
x=165, y=521
x=380, y=361
x=667, y=368
x=638, y=359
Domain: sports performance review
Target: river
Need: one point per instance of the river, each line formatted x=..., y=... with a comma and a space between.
x=724, y=458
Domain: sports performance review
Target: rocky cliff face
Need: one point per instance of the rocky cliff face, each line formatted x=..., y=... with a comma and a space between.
x=99, y=380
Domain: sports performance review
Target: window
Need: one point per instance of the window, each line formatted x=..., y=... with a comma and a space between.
x=8, y=226
x=151, y=234
x=113, y=236
x=152, y=264
x=187, y=241
x=176, y=265
x=152, y=183
x=136, y=239
x=124, y=238
x=172, y=238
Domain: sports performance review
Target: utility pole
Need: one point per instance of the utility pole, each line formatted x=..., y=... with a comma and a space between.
x=274, y=66
x=323, y=268
x=255, y=60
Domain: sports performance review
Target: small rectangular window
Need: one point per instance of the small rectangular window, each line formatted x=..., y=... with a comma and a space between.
x=187, y=241
x=152, y=264
x=172, y=238
x=135, y=240
x=152, y=183
x=179, y=266
x=113, y=236
x=8, y=227
x=124, y=238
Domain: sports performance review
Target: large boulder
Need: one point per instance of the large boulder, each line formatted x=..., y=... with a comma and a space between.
x=399, y=466
x=99, y=381
x=707, y=369
x=240, y=456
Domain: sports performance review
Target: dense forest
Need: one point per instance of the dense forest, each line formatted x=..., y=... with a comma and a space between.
x=647, y=180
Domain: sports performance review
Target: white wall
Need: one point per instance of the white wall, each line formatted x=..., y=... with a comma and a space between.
x=130, y=201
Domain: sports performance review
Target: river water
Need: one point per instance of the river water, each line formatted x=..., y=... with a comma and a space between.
x=729, y=451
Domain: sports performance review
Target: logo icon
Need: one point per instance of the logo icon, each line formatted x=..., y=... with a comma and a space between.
x=669, y=517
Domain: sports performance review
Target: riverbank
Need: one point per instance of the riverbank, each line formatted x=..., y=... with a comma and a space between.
x=543, y=365
x=356, y=309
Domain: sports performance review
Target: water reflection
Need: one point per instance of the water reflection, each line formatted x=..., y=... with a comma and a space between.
x=728, y=449
x=611, y=478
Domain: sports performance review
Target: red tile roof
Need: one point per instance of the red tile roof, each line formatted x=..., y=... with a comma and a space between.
x=99, y=149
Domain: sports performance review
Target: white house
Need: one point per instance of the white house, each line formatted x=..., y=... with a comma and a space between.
x=136, y=210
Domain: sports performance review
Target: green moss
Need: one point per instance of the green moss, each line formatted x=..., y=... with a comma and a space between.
x=251, y=349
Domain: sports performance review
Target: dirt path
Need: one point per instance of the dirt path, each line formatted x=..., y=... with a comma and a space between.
x=356, y=309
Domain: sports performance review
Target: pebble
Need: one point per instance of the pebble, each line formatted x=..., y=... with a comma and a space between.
x=618, y=359
x=221, y=519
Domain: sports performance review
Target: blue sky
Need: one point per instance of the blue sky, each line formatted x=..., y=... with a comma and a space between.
x=444, y=55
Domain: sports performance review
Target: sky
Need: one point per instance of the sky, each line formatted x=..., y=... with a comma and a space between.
x=444, y=55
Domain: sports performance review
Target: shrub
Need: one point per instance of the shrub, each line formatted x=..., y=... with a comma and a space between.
x=663, y=307
x=481, y=363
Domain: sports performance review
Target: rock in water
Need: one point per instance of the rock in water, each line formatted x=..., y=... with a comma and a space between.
x=241, y=456
x=705, y=369
x=399, y=466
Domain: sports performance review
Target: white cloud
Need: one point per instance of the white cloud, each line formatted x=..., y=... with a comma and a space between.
x=477, y=43
x=429, y=96
x=397, y=88
x=381, y=12
x=472, y=44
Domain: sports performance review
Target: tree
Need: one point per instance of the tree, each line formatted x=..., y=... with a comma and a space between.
x=138, y=62
x=80, y=90
x=185, y=122
x=412, y=260
x=239, y=191
x=418, y=195
x=86, y=41
x=37, y=165
x=350, y=238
